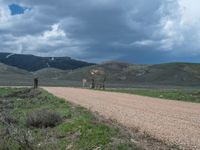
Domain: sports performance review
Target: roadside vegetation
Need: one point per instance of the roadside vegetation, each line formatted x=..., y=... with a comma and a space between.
x=36, y=120
x=188, y=95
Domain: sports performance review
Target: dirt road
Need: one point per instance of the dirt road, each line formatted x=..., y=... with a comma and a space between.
x=172, y=121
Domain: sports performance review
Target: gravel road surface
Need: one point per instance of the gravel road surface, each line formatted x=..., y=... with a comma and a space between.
x=171, y=121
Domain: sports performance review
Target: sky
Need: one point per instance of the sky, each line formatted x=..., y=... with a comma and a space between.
x=134, y=31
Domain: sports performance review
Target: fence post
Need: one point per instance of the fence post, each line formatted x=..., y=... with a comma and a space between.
x=35, y=80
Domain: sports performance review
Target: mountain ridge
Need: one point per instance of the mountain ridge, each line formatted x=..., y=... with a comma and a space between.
x=33, y=63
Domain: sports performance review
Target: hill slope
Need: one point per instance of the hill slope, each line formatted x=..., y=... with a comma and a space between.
x=50, y=73
x=34, y=63
x=183, y=74
x=14, y=76
x=9, y=70
x=166, y=74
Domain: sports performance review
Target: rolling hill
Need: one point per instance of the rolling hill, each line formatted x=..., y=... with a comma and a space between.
x=118, y=73
x=34, y=63
x=51, y=73
x=14, y=76
x=123, y=73
x=9, y=70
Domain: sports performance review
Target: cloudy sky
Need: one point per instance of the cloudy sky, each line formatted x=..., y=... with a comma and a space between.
x=136, y=31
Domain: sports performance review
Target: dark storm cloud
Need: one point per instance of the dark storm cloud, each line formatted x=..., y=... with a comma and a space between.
x=131, y=30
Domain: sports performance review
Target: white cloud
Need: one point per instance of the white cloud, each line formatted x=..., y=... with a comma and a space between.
x=144, y=43
x=180, y=28
x=4, y=13
x=190, y=11
x=55, y=33
x=55, y=40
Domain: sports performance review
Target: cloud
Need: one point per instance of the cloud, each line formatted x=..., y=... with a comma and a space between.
x=132, y=30
x=54, y=33
x=52, y=40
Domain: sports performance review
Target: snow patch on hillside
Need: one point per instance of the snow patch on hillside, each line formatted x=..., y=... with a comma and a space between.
x=9, y=55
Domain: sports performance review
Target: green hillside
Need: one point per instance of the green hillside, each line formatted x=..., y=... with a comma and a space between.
x=172, y=74
x=13, y=76
x=9, y=70
x=51, y=73
x=165, y=74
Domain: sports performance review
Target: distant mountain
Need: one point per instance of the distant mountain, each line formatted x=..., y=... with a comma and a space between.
x=34, y=63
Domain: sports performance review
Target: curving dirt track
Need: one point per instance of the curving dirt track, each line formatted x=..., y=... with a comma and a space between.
x=171, y=121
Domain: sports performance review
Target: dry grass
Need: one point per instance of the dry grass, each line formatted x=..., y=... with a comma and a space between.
x=43, y=118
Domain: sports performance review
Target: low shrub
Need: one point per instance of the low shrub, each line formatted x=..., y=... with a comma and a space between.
x=43, y=118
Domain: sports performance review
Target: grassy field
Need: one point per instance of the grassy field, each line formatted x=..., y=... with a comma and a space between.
x=34, y=119
x=188, y=95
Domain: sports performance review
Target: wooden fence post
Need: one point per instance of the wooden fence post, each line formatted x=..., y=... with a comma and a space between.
x=35, y=83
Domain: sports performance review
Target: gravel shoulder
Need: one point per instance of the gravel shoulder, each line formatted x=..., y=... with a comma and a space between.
x=173, y=122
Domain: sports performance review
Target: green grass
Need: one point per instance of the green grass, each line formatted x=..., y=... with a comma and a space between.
x=172, y=94
x=80, y=129
x=6, y=91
